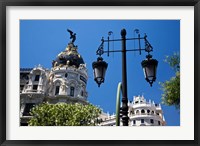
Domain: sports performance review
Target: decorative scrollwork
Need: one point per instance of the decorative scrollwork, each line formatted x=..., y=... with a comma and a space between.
x=100, y=50
x=110, y=33
x=148, y=47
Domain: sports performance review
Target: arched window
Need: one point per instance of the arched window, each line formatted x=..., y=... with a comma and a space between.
x=137, y=111
x=148, y=111
x=71, y=91
x=152, y=112
x=142, y=111
x=66, y=75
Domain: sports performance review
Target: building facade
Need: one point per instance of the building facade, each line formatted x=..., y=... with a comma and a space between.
x=141, y=113
x=65, y=82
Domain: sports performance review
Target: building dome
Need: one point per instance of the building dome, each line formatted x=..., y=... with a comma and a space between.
x=69, y=57
x=68, y=77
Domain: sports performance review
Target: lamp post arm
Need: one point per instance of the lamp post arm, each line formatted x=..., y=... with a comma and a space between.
x=119, y=89
x=110, y=51
x=148, y=48
x=115, y=40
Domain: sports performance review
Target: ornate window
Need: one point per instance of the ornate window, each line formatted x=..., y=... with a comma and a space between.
x=35, y=87
x=137, y=112
x=142, y=111
x=71, y=91
x=148, y=111
x=37, y=77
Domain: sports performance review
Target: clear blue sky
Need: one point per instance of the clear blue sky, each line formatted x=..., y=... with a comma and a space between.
x=42, y=40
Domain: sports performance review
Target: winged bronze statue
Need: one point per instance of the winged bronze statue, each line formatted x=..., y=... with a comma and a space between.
x=72, y=35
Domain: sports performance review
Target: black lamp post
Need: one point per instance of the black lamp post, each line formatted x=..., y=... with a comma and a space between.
x=149, y=66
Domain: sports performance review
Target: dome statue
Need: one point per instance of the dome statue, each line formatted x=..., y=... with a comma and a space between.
x=69, y=57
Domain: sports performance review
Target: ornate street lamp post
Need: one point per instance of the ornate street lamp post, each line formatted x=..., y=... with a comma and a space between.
x=149, y=66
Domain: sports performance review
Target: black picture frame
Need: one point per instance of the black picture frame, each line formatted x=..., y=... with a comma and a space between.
x=5, y=3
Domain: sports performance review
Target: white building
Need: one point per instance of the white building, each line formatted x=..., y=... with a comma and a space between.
x=65, y=82
x=140, y=113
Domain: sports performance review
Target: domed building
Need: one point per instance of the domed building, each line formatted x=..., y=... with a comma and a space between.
x=68, y=77
x=65, y=82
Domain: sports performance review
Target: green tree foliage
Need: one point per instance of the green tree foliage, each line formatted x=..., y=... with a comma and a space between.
x=171, y=88
x=63, y=114
x=174, y=61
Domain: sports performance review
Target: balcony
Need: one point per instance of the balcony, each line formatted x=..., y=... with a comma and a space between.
x=144, y=104
x=32, y=91
x=148, y=115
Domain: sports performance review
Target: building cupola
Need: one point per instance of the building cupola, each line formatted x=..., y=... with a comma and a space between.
x=68, y=76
